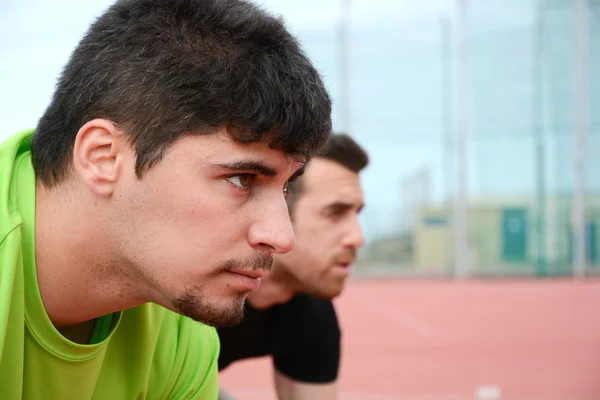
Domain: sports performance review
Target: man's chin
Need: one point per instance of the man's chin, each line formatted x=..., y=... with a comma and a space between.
x=219, y=321
x=217, y=318
x=210, y=313
x=328, y=293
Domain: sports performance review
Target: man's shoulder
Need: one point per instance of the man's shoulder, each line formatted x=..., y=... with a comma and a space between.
x=307, y=345
x=170, y=337
x=183, y=352
x=11, y=150
x=202, y=332
x=252, y=337
x=311, y=307
x=302, y=316
x=198, y=344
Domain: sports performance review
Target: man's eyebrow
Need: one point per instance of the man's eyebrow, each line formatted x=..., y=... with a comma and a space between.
x=342, y=205
x=249, y=166
x=339, y=204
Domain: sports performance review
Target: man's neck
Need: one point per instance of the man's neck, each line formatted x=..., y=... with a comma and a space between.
x=77, y=278
x=276, y=288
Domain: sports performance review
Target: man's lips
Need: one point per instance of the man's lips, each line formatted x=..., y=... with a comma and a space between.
x=250, y=273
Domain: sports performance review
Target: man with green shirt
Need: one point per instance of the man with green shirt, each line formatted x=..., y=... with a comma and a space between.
x=150, y=198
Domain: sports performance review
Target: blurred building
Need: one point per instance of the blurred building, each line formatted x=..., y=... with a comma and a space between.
x=503, y=238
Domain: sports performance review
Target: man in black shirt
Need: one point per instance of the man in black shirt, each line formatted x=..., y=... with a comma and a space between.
x=291, y=317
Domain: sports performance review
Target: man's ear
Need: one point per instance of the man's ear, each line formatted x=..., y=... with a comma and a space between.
x=96, y=155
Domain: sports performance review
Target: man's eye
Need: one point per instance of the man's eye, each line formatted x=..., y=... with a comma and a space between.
x=285, y=188
x=241, y=181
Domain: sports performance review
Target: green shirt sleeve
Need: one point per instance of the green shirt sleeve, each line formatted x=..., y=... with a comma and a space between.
x=11, y=317
x=197, y=377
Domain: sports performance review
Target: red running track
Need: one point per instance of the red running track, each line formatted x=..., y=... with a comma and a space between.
x=442, y=340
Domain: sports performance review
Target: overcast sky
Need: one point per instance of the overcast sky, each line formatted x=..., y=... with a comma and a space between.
x=39, y=35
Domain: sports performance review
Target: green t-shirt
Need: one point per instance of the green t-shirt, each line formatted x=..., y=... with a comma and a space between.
x=147, y=352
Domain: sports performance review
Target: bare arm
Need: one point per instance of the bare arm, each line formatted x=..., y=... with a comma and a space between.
x=289, y=389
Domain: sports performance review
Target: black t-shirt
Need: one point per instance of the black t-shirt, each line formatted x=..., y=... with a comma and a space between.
x=302, y=336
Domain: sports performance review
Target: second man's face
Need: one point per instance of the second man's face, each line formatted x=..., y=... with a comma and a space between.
x=327, y=228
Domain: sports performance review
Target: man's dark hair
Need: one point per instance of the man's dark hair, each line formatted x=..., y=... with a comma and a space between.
x=163, y=69
x=339, y=148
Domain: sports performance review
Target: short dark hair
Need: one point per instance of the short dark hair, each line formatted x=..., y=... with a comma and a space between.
x=339, y=148
x=164, y=69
